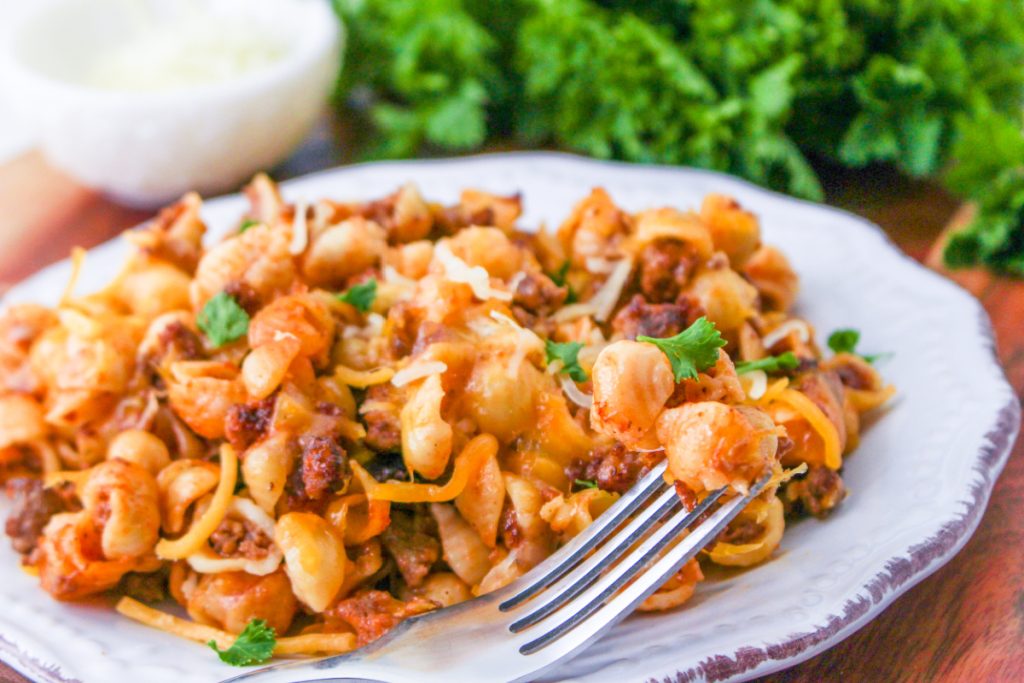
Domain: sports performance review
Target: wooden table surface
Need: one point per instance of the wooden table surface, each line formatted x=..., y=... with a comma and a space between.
x=964, y=623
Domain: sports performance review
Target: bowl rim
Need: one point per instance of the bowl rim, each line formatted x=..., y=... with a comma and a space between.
x=323, y=35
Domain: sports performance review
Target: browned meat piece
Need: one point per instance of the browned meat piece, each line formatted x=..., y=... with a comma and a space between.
x=324, y=466
x=665, y=267
x=373, y=613
x=741, y=531
x=613, y=468
x=32, y=507
x=817, y=493
x=245, y=296
x=655, y=320
x=401, y=326
x=411, y=544
x=180, y=342
x=246, y=423
x=144, y=587
x=383, y=427
x=511, y=532
x=538, y=294
x=240, y=538
x=386, y=466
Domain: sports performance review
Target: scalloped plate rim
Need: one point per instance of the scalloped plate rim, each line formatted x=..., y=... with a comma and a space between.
x=930, y=553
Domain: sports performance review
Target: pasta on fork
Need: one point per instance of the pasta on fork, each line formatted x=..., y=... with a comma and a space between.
x=345, y=414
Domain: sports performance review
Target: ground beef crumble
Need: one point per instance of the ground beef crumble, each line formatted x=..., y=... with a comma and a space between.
x=411, y=541
x=664, y=269
x=32, y=507
x=614, y=467
x=639, y=317
x=240, y=538
x=247, y=423
x=817, y=493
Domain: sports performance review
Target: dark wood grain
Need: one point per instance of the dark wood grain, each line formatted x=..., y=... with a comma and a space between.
x=965, y=623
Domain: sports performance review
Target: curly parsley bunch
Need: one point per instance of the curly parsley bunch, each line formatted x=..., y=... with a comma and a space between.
x=750, y=87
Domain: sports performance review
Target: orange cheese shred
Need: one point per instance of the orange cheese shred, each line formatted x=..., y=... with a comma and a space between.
x=818, y=421
x=305, y=644
x=202, y=528
x=467, y=463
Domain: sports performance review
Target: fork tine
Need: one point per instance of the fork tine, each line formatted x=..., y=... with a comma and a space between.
x=646, y=567
x=552, y=569
x=611, y=552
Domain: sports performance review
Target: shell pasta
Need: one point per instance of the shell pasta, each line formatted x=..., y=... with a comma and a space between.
x=345, y=414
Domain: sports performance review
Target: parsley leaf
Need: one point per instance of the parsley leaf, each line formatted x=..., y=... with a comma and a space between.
x=691, y=351
x=222, y=320
x=568, y=353
x=845, y=341
x=585, y=483
x=560, y=279
x=361, y=296
x=246, y=224
x=254, y=645
x=784, y=361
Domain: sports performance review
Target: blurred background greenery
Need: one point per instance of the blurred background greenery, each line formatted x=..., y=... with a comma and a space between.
x=758, y=88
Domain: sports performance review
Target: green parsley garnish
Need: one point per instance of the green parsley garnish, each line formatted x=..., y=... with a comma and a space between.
x=691, y=351
x=559, y=277
x=254, y=645
x=568, y=353
x=361, y=296
x=585, y=483
x=846, y=340
x=222, y=320
x=843, y=341
x=784, y=361
x=246, y=224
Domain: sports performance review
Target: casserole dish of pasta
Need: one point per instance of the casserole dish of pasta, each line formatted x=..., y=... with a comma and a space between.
x=281, y=423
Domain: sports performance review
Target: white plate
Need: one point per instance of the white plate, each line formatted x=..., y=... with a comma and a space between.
x=918, y=483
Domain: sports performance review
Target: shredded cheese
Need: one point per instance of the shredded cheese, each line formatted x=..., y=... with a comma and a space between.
x=755, y=383
x=818, y=421
x=315, y=643
x=467, y=463
x=784, y=330
x=417, y=371
x=528, y=342
x=200, y=531
x=477, y=277
x=573, y=393
x=772, y=392
x=572, y=312
x=376, y=406
x=300, y=230
x=77, y=261
x=360, y=379
x=308, y=643
x=864, y=400
x=392, y=276
x=599, y=266
x=605, y=299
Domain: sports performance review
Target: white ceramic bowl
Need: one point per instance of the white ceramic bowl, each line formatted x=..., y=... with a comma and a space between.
x=147, y=147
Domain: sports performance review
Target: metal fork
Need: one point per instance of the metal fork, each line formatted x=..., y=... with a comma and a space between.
x=554, y=611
